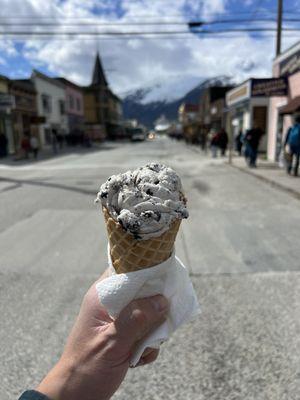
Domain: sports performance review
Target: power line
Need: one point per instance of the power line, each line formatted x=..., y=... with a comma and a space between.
x=196, y=23
x=147, y=16
x=160, y=23
x=185, y=38
x=138, y=33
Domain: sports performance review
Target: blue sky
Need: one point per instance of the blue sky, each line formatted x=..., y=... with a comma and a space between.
x=171, y=65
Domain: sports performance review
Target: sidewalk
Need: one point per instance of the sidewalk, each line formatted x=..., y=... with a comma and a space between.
x=270, y=172
x=47, y=153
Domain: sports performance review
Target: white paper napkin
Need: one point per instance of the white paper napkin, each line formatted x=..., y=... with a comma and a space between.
x=169, y=278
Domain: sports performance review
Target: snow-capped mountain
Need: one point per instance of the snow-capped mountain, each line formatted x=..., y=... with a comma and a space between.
x=162, y=92
x=148, y=104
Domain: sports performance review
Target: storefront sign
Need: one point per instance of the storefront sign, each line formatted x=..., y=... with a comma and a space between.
x=237, y=94
x=290, y=65
x=6, y=101
x=269, y=87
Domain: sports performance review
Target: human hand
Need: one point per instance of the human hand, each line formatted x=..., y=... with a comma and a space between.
x=98, y=350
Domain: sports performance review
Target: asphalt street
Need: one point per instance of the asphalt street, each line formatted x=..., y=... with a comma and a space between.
x=240, y=244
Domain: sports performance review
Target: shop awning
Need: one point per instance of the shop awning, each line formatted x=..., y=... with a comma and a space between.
x=292, y=107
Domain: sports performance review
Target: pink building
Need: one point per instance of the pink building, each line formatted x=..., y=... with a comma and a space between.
x=283, y=109
x=74, y=106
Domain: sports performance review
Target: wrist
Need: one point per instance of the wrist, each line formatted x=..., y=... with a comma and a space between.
x=57, y=383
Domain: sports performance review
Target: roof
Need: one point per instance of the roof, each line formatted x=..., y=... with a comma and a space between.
x=115, y=96
x=98, y=73
x=4, y=78
x=95, y=89
x=38, y=74
x=291, y=107
x=23, y=84
x=66, y=82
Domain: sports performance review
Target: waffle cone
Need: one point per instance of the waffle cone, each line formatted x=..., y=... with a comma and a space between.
x=129, y=254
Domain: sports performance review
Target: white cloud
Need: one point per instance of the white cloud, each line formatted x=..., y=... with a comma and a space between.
x=7, y=48
x=212, y=7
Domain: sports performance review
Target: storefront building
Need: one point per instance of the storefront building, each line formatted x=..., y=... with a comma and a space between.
x=24, y=111
x=74, y=107
x=188, y=117
x=248, y=106
x=284, y=108
x=51, y=106
x=114, y=122
x=6, y=104
x=211, y=109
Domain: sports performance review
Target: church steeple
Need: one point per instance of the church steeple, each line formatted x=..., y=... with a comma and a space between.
x=98, y=73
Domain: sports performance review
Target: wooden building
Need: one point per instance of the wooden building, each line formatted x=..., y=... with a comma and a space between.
x=24, y=112
x=102, y=108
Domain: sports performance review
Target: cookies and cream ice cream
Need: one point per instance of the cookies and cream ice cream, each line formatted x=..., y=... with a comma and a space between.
x=145, y=201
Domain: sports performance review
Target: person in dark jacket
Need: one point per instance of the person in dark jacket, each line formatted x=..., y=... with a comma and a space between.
x=239, y=142
x=292, y=144
x=97, y=354
x=223, y=141
x=252, y=139
x=3, y=145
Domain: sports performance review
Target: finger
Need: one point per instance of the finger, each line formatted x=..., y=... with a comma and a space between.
x=149, y=358
x=139, y=318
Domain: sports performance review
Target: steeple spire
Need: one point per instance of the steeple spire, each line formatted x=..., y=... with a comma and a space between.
x=98, y=73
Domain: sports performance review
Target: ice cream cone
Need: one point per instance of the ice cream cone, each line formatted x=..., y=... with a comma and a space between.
x=129, y=254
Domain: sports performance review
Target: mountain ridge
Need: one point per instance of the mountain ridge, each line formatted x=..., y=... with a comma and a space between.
x=134, y=106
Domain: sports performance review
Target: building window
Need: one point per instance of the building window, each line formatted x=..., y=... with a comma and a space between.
x=71, y=102
x=61, y=107
x=46, y=103
x=78, y=104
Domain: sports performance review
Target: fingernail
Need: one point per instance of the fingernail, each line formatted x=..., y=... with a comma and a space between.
x=160, y=303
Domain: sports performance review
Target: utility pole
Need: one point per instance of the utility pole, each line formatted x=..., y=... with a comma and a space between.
x=279, y=27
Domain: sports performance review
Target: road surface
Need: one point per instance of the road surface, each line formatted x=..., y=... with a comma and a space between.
x=240, y=244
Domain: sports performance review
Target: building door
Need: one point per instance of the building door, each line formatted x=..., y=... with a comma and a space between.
x=259, y=120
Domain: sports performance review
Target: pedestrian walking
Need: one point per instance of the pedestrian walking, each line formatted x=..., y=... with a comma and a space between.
x=60, y=140
x=3, y=145
x=252, y=139
x=54, y=141
x=239, y=142
x=34, y=145
x=292, y=147
x=223, y=141
x=214, y=144
x=202, y=140
x=25, y=145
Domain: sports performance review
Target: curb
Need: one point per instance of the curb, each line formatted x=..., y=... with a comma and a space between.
x=271, y=182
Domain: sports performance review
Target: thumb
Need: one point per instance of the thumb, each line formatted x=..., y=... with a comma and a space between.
x=139, y=318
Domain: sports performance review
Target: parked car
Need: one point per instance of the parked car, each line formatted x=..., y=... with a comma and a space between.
x=137, y=134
